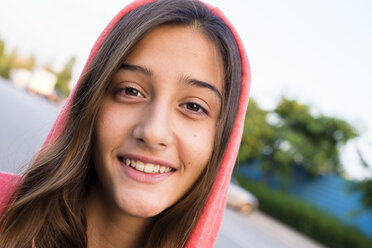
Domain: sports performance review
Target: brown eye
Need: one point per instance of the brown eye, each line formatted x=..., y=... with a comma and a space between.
x=131, y=91
x=194, y=107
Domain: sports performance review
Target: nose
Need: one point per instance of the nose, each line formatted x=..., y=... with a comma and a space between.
x=153, y=130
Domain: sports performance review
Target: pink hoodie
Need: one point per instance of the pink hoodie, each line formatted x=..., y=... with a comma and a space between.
x=206, y=230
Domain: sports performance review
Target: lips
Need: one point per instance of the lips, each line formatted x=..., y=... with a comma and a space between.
x=145, y=170
x=151, y=168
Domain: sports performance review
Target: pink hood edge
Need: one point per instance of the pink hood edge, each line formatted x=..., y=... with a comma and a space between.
x=206, y=230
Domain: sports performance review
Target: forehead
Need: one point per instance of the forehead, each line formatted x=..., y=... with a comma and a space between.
x=179, y=50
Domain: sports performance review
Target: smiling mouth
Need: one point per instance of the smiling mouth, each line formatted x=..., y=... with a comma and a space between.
x=145, y=167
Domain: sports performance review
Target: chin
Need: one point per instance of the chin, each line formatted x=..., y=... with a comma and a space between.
x=142, y=208
x=143, y=213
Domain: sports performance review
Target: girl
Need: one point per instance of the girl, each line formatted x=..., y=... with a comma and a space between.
x=142, y=152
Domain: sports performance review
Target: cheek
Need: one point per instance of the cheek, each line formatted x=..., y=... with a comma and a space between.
x=109, y=130
x=105, y=131
x=197, y=145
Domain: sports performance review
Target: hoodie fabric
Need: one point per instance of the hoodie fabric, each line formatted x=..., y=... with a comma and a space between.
x=206, y=230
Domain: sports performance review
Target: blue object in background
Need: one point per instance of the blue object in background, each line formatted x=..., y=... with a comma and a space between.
x=330, y=193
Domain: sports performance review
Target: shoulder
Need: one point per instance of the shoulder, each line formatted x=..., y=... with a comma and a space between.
x=8, y=181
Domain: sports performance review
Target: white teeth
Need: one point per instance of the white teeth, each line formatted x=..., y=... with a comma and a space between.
x=140, y=166
x=147, y=168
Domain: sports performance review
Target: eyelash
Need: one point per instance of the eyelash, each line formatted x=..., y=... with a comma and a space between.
x=190, y=106
x=200, y=111
x=125, y=92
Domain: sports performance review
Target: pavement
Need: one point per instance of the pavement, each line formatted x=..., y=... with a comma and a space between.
x=25, y=121
x=258, y=230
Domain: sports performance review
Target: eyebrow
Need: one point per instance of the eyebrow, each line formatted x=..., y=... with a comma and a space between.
x=187, y=79
x=141, y=69
x=201, y=84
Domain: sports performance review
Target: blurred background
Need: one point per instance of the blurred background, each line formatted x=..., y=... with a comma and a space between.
x=306, y=153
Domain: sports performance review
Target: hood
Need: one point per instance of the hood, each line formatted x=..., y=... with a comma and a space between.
x=206, y=230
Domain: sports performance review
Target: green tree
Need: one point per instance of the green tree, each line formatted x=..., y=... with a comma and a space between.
x=314, y=141
x=64, y=77
x=257, y=133
x=365, y=186
x=11, y=60
x=290, y=135
x=2, y=48
x=5, y=61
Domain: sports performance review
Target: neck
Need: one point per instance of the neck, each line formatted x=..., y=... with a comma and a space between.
x=108, y=226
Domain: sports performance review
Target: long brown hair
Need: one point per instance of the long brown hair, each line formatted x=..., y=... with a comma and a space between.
x=47, y=208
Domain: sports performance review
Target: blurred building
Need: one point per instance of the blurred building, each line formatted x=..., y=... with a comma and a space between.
x=20, y=77
x=39, y=80
x=331, y=193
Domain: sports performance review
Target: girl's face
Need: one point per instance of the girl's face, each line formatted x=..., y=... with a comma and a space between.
x=156, y=127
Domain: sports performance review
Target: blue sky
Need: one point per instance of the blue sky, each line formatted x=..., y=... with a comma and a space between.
x=318, y=52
